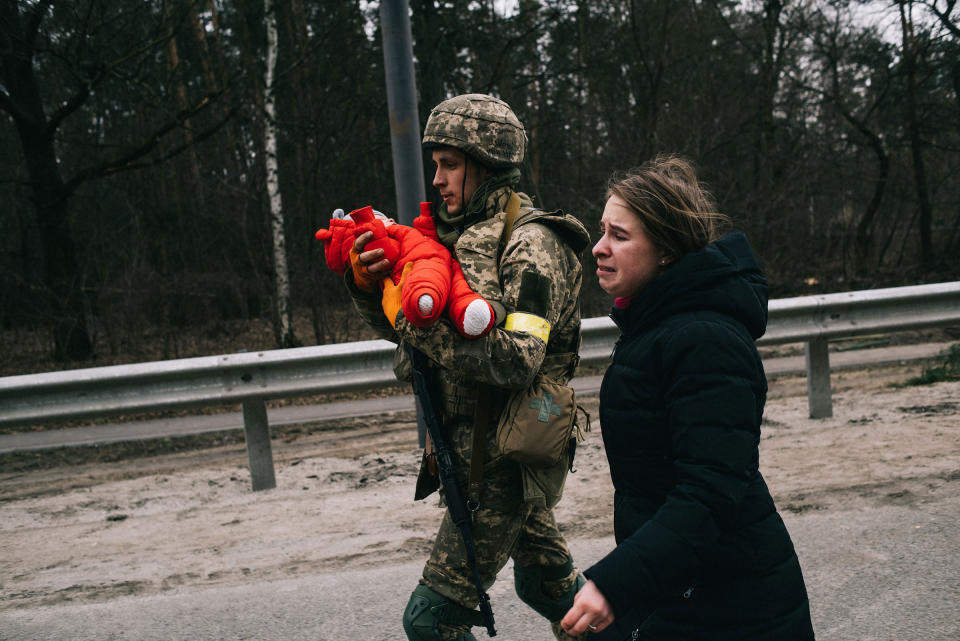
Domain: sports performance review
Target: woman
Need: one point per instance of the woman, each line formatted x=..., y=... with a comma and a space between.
x=701, y=551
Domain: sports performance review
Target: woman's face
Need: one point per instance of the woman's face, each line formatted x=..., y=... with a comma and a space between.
x=627, y=260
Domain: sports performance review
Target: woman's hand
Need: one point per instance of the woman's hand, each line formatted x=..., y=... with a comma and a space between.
x=590, y=611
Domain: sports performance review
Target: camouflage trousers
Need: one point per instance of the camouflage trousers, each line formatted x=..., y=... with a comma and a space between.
x=503, y=528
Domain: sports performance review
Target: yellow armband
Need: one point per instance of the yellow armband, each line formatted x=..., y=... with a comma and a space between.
x=529, y=324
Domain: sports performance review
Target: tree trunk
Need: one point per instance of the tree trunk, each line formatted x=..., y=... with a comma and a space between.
x=863, y=234
x=529, y=9
x=913, y=131
x=583, y=14
x=284, y=313
x=62, y=273
x=218, y=78
x=183, y=104
x=769, y=84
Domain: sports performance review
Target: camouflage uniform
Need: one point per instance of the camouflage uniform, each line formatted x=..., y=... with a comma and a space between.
x=539, y=273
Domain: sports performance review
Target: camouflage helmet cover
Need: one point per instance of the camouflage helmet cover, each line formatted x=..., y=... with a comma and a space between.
x=480, y=125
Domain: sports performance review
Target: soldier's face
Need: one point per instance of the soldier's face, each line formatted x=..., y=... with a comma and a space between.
x=456, y=177
x=627, y=260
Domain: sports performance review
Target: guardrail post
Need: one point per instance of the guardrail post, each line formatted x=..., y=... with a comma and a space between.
x=256, y=431
x=819, y=396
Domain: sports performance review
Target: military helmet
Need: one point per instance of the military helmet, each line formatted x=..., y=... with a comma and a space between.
x=480, y=125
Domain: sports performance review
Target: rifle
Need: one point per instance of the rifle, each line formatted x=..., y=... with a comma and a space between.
x=459, y=512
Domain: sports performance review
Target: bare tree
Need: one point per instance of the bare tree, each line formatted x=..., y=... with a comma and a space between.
x=284, y=311
x=22, y=38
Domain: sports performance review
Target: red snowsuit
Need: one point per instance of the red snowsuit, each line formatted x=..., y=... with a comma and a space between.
x=435, y=274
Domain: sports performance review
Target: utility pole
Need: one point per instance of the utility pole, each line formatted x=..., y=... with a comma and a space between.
x=404, y=124
x=402, y=104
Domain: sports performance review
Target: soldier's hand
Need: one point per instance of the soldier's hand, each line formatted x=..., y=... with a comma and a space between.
x=373, y=261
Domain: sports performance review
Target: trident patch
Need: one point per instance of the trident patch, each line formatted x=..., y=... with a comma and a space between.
x=546, y=407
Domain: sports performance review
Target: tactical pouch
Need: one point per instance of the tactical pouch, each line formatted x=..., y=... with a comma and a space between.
x=536, y=427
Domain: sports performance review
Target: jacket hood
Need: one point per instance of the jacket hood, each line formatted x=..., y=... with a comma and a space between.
x=723, y=277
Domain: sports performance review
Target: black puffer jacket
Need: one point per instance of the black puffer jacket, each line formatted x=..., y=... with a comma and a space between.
x=700, y=545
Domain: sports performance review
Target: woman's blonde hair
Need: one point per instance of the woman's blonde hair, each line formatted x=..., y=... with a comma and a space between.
x=677, y=211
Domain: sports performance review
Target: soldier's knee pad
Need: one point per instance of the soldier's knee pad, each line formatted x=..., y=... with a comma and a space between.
x=427, y=609
x=528, y=582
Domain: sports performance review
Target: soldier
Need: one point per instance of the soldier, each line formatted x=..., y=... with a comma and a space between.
x=531, y=275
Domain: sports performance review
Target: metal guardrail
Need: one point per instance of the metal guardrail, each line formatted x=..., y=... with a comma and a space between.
x=205, y=380
x=814, y=320
x=252, y=378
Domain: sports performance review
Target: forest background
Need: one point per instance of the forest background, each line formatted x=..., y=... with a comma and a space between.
x=147, y=215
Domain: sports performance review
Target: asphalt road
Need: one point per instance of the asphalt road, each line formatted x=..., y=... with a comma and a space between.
x=291, y=415
x=879, y=574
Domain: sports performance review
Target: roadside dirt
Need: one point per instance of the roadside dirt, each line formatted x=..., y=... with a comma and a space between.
x=344, y=498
